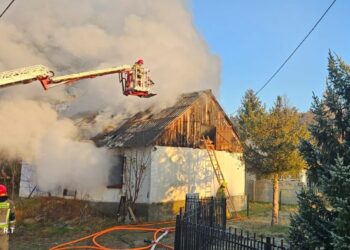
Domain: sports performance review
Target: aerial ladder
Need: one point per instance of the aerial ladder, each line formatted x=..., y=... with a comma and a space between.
x=210, y=147
x=134, y=79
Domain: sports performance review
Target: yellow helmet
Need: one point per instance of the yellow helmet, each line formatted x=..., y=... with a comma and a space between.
x=224, y=184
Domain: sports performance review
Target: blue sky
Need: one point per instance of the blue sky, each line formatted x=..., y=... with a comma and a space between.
x=253, y=37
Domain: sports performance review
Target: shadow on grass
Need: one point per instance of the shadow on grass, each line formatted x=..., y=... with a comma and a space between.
x=259, y=220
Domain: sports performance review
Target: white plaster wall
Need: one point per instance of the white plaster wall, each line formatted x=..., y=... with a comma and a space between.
x=171, y=172
x=104, y=194
x=176, y=171
x=28, y=183
x=99, y=194
x=144, y=155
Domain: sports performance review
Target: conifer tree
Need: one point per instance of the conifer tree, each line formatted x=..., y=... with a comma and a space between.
x=270, y=141
x=324, y=208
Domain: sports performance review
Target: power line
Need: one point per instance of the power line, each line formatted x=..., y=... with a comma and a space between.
x=295, y=50
x=8, y=6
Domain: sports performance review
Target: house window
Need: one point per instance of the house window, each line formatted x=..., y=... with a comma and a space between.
x=68, y=193
x=208, y=132
x=115, y=177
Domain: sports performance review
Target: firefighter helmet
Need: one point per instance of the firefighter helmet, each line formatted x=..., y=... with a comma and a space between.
x=3, y=191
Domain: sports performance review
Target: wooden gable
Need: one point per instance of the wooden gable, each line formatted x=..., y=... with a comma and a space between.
x=204, y=118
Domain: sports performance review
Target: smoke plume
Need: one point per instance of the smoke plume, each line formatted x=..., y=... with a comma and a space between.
x=32, y=131
x=72, y=36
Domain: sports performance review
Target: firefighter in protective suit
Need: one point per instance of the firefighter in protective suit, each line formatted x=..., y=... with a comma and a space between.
x=221, y=191
x=7, y=218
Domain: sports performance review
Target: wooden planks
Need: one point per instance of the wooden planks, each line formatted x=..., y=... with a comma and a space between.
x=204, y=118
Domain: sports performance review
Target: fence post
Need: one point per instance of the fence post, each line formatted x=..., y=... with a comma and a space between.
x=211, y=212
x=247, y=205
x=268, y=244
x=177, y=234
x=224, y=213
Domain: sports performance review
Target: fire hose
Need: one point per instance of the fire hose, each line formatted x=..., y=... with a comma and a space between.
x=141, y=227
x=158, y=239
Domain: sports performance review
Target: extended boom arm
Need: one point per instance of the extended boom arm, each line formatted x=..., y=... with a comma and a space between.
x=134, y=79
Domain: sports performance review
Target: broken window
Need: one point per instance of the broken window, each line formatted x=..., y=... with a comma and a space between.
x=115, y=177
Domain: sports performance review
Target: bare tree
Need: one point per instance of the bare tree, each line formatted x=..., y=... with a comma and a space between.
x=135, y=166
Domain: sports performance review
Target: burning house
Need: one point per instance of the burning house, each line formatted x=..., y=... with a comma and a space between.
x=160, y=156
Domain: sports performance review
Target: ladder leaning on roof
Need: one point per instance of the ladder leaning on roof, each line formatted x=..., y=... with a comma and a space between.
x=210, y=147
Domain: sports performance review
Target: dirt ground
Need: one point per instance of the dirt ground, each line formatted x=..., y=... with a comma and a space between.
x=45, y=237
x=43, y=223
x=47, y=222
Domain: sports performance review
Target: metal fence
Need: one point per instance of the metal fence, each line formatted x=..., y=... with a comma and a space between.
x=202, y=226
x=205, y=211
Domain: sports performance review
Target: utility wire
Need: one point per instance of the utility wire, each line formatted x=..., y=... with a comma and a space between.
x=295, y=50
x=8, y=6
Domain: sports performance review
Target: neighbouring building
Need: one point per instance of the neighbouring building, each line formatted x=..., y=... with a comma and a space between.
x=160, y=157
x=260, y=189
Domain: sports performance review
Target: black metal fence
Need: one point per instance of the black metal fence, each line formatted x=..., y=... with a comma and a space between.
x=205, y=211
x=202, y=226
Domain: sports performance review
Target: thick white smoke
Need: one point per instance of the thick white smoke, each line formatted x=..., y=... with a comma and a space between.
x=33, y=131
x=72, y=36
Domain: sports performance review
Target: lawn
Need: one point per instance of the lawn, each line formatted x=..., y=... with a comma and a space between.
x=46, y=222
x=259, y=220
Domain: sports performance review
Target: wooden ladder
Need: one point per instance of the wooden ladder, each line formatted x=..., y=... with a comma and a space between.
x=210, y=147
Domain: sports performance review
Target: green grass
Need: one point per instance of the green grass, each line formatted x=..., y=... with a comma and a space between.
x=52, y=229
x=259, y=220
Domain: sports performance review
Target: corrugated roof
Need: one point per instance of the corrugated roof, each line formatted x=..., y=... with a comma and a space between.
x=145, y=127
